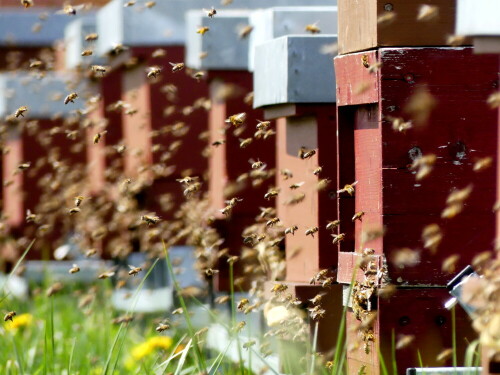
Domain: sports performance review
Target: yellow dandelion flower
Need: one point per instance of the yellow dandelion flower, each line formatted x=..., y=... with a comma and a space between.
x=161, y=342
x=19, y=321
x=144, y=349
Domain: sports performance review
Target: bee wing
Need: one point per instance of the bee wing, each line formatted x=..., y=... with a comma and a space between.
x=61, y=11
x=131, y=267
x=28, y=212
x=75, y=265
x=354, y=183
x=171, y=63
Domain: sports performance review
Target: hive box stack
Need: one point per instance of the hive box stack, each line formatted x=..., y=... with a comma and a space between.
x=479, y=22
x=163, y=117
x=399, y=105
x=293, y=92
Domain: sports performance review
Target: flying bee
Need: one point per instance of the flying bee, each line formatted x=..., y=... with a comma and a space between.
x=358, y=216
x=79, y=200
x=209, y=272
x=20, y=111
x=291, y=230
x=222, y=299
x=494, y=100
x=9, y=316
x=263, y=125
x=211, y=12
x=427, y=13
x=150, y=4
x=218, y=143
x=87, y=52
x=239, y=326
x=311, y=231
x=245, y=142
x=199, y=76
x=106, y=275
x=241, y=305
x=90, y=252
x=348, y=188
x=74, y=210
x=482, y=164
x=444, y=355
x=187, y=180
x=24, y=166
x=202, y=30
x=296, y=185
x=30, y=217
x=249, y=344
x=35, y=64
x=177, y=67
x=226, y=210
x=337, y=238
x=70, y=98
x=190, y=190
x=322, y=184
x=286, y=173
x=450, y=263
x=271, y=194
x=92, y=37
x=316, y=300
x=236, y=119
x=134, y=270
x=272, y=222
x=98, y=69
x=27, y=3
x=233, y=201
x=332, y=224
x=317, y=171
x=74, y=269
x=313, y=28
x=98, y=136
x=306, y=154
x=404, y=341
x=70, y=10
x=245, y=31
x=327, y=282
x=178, y=311
x=162, y=327
x=153, y=71
x=150, y=219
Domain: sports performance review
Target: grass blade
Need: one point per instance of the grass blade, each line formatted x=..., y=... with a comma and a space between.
x=182, y=360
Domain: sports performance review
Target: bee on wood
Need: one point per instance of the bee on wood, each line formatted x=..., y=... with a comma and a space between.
x=150, y=219
x=313, y=28
x=21, y=111
x=291, y=230
x=70, y=98
x=348, y=188
x=358, y=216
x=245, y=31
x=153, y=71
x=210, y=12
x=134, y=270
x=162, y=327
x=176, y=67
x=272, y=222
x=87, y=52
x=9, y=316
x=237, y=119
x=337, y=238
x=245, y=142
x=202, y=30
x=92, y=37
x=306, y=154
x=311, y=231
x=74, y=269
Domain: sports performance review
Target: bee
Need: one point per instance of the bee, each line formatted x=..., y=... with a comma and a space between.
x=226, y=210
x=87, y=52
x=263, y=125
x=271, y=194
x=233, y=259
x=98, y=69
x=122, y=319
x=70, y=10
x=177, y=67
x=432, y=236
x=237, y=119
x=9, y=316
x=153, y=71
x=404, y=341
x=90, y=253
x=427, y=13
x=134, y=270
x=27, y=3
x=272, y=222
x=311, y=231
x=218, y=143
x=386, y=18
x=92, y=37
x=203, y=30
x=317, y=171
x=129, y=3
x=162, y=327
x=455, y=40
x=74, y=210
x=337, y=238
x=450, y=263
x=178, y=311
x=20, y=111
x=245, y=142
x=70, y=98
x=291, y=230
x=211, y=12
x=150, y=4
x=266, y=212
x=54, y=288
x=316, y=300
x=239, y=326
x=187, y=180
x=222, y=299
x=24, y=166
x=150, y=219
x=296, y=199
x=98, y=136
x=198, y=76
x=209, y=272
x=233, y=201
x=400, y=125
x=35, y=64
x=286, y=173
x=203, y=55
x=424, y=165
x=317, y=313
x=322, y=184
x=106, y=274
x=494, y=100
x=279, y=288
x=313, y=28
x=329, y=365
x=30, y=217
x=348, y=188
x=332, y=224
x=249, y=344
x=358, y=216
x=444, y=355
x=74, y=269
x=482, y=164
x=241, y=305
x=306, y=154
x=296, y=185
x=256, y=164
x=190, y=190
x=245, y=31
